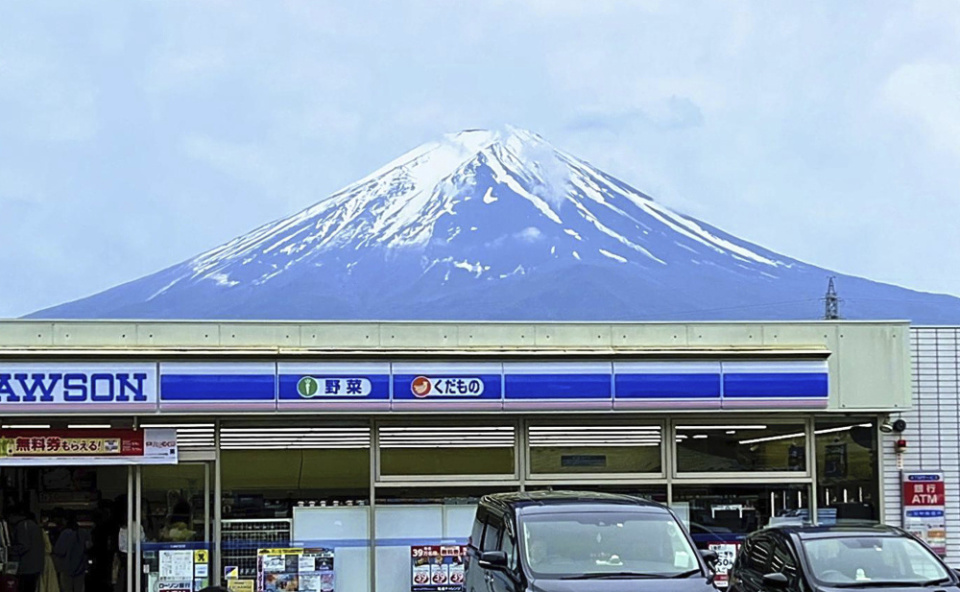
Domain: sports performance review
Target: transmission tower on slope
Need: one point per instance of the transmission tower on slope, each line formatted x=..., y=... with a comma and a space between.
x=831, y=302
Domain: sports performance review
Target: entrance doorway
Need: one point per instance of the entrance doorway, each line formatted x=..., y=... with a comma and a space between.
x=137, y=514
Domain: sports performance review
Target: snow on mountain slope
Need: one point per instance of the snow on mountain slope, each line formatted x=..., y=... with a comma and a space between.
x=490, y=225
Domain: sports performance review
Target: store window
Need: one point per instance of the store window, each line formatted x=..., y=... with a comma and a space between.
x=656, y=493
x=847, y=475
x=725, y=514
x=445, y=450
x=413, y=522
x=606, y=449
x=298, y=485
x=741, y=448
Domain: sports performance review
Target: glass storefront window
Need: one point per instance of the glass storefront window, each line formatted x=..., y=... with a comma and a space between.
x=572, y=449
x=409, y=518
x=297, y=486
x=741, y=448
x=443, y=450
x=847, y=476
x=657, y=493
x=727, y=513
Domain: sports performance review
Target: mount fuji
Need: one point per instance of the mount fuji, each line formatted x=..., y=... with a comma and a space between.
x=495, y=225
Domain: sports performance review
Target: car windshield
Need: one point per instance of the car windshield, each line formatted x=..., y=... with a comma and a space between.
x=864, y=559
x=615, y=543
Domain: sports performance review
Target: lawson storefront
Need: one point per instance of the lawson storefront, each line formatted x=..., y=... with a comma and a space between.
x=349, y=456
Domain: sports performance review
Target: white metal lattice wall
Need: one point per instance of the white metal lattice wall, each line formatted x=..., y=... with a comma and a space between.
x=933, y=432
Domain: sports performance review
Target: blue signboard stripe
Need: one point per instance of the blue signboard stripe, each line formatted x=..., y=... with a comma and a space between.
x=557, y=386
x=780, y=385
x=222, y=387
x=668, y=386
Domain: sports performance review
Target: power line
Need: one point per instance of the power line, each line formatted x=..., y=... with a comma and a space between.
x=744, y=306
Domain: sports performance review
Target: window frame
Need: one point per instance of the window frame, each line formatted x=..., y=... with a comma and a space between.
x=465, y=478
x=487, y=526
x=804, y=477
x=600, y=477
x=762, y=538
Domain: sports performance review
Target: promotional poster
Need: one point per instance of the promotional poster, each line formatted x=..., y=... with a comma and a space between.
x=436, y=568
x=295, y=570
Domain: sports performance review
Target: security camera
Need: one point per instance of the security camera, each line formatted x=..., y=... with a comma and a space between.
x=899, y=426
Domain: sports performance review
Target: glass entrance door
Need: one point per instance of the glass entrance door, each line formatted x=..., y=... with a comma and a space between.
x=176, y=515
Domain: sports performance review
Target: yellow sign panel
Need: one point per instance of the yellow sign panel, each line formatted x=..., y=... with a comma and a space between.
x=201, y=556
x=293, y=551
x=241, y=585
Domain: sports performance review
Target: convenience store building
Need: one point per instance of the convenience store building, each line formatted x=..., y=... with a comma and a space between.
x=373, y=440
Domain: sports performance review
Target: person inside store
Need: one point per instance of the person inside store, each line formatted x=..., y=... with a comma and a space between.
x=49, y=581
x=103, y=548
x=26, y=548
x=177, y=529
x=70, y=555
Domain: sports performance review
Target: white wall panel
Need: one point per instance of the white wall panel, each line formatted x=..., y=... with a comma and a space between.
x=933, y=433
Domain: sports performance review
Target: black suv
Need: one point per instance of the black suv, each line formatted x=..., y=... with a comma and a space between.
x=554, y=541
x=835, y=558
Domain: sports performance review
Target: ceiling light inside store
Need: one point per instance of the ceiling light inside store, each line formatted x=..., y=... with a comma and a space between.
x=700, y=437
x=25, y=426
x=801, y=434
x=89, y=426
x=722, y=427
x=178, y=426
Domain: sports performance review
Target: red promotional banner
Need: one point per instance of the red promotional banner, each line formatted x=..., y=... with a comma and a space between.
x=108, y=446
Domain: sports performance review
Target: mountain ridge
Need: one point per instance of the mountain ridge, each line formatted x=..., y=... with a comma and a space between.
x=496, y=225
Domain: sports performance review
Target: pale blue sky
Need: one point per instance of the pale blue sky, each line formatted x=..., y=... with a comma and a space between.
x=134, y=135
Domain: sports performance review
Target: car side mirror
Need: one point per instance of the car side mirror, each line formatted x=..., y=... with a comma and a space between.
x=710, y=557
x=776, y=580
x=493, y=560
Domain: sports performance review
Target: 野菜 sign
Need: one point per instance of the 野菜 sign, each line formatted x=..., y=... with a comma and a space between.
x=924, y=506
x=309, y=387
x=33, y=447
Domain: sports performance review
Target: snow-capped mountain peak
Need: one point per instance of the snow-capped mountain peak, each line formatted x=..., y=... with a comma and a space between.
x=477, y=224
x=461, y=202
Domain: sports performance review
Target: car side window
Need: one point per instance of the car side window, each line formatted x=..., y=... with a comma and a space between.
x=758, y=557
x=783, y=561
x=509, y=546
x=491, y=535
x=477, y=534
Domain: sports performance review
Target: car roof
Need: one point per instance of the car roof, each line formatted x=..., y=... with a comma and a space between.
x=528, y=501
x=828, y=531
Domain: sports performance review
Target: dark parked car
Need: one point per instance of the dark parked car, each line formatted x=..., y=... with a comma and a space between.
x=835, y=558
x=555, y=541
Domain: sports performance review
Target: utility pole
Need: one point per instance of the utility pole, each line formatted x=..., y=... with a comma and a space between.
x=831, y=302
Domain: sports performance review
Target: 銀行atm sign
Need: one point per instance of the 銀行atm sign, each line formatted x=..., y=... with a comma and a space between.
x=924, y=509
x=923, y=489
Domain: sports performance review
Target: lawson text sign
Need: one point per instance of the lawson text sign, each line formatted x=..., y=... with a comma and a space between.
x=80, y=386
